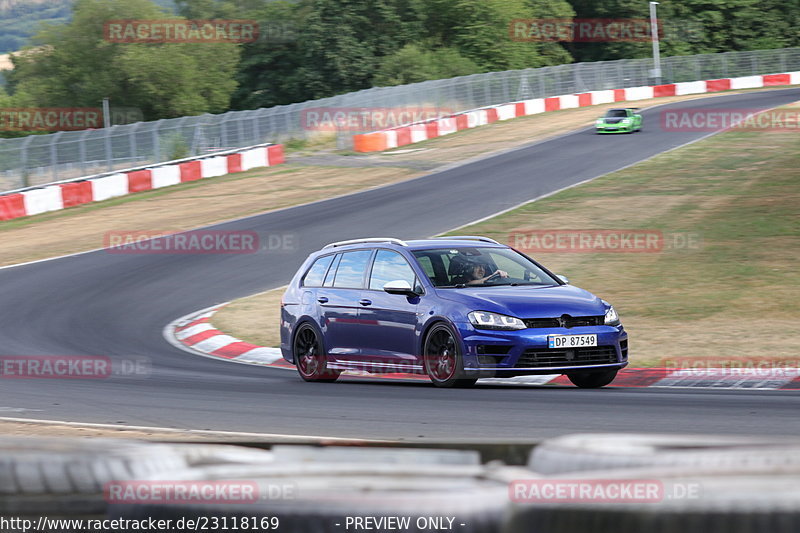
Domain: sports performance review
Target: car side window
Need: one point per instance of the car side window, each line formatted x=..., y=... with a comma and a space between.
x=316, y=273
x=351, y=269
x=332, y=272
x=390, y=266
x=427, y=266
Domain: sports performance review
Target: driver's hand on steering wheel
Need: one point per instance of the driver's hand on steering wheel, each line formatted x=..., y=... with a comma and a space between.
x=497, y=273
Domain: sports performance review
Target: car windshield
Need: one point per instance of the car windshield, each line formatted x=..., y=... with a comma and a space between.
x=458, y=267
x=616, y=113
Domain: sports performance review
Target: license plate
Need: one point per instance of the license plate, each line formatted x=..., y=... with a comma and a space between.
x=571, y=341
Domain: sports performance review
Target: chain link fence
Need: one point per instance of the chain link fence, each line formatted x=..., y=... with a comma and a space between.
x=39, y=159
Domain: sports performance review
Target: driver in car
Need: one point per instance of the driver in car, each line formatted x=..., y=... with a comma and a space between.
x=477, y=274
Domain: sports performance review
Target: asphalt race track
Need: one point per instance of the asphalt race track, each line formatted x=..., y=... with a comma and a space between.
x=117, y=305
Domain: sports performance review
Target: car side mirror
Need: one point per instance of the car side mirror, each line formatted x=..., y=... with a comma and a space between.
x=400, y=286
x=563, y=278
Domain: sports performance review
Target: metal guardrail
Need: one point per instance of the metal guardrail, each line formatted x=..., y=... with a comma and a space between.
x=39, y=159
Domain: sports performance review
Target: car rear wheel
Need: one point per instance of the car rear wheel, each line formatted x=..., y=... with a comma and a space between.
x=442, y=359
x=309, y=357
x=592, y=380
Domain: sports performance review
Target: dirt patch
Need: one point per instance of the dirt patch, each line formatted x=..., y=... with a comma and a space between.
x=184, y=207
x=256, y=318
x=40, y=429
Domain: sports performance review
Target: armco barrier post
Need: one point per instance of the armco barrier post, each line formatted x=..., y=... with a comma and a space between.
x=54, y=155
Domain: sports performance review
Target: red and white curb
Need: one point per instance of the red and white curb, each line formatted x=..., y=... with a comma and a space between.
x=87, y=189
x=194, y=333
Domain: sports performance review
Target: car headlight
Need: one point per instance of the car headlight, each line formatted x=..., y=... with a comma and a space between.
x=612, y=318
x=486, y=320
x=599, y=121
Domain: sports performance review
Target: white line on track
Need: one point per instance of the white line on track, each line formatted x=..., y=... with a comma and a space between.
x=178, y=431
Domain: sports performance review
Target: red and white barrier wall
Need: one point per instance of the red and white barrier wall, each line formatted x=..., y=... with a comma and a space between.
x=95, y=189
x=421, y=131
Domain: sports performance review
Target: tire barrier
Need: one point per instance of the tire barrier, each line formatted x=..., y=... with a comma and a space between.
x=584, y=452
x=660, y=500
x=309, y=489
x=66, y=477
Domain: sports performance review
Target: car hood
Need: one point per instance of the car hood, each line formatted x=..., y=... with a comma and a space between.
x=527, y=301
x=613, y=120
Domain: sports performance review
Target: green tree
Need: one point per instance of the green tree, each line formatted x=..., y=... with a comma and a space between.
x=695, y=26
x=267, y=74
x=73, y=65
x=219, y=9
x=481, y=31
x=413, y=64
x=342, y=41
x=18, y=100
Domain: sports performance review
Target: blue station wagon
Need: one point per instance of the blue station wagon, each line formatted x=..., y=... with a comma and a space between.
x=456, y=309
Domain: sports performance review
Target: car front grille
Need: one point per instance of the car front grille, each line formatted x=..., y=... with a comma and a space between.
x=543, y=358
x=568, y=321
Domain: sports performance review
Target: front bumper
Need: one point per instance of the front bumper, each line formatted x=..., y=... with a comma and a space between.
x=494, y=353
x=614, y=128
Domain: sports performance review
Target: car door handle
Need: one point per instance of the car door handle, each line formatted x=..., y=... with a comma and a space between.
x=322, y=300
x=364, y=301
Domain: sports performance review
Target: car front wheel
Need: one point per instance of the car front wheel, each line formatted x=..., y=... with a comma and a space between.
x=592, y=380
x=310, y=358
x=442, y=358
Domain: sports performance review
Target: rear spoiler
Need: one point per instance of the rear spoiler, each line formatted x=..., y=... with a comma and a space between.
x=634, y=108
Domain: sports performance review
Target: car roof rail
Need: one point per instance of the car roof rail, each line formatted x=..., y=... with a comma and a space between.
x=469, y=238
x=367, y=240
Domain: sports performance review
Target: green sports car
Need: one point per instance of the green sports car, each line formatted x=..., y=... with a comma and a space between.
x=625, y=120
